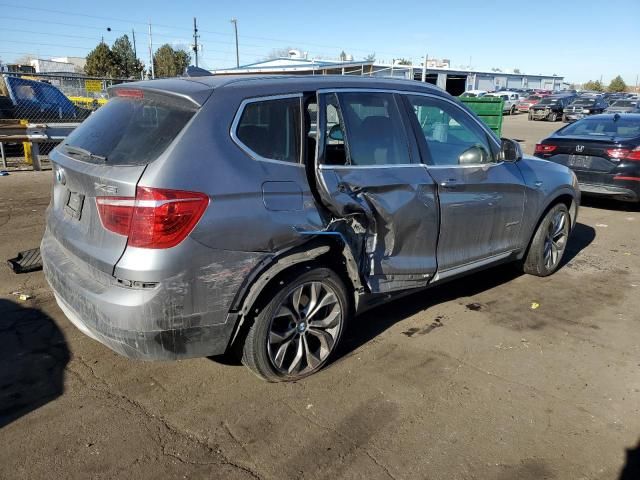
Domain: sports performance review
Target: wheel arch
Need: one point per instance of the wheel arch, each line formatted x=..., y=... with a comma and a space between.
x=323, y=249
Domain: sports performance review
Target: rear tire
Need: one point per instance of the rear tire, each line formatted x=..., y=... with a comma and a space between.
x=298, y=330
x=549, y=242
x=513, y=110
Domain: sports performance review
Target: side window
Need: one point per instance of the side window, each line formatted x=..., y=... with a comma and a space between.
x=271, y=129
x=335, y=152
x=452, y=135
x=373, y=128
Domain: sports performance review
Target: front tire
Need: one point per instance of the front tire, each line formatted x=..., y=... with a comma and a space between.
x=553, y=117
x=549, y=242
x=299, y=328
x=512, y=111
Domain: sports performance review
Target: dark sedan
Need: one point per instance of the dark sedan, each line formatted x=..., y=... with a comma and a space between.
x=603, y=151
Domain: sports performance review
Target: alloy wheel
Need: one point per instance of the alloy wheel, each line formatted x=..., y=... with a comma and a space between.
x=305, y=329
x=556, y=239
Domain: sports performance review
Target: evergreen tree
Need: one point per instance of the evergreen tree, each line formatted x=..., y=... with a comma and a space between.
x=126, y=63
x=617, y=85
x=100, y=62
x=168, y=62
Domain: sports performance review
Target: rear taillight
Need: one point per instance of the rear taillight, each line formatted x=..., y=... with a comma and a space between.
x=624, y=153
x=542, y=148
x=155, y=218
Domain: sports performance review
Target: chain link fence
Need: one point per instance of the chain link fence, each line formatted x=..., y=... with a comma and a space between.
x=44, y=99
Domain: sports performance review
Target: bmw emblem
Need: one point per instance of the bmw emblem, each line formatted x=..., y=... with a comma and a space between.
x=60, y=178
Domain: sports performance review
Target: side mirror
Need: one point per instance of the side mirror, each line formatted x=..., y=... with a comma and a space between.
x=510, y=150
x=335, y=133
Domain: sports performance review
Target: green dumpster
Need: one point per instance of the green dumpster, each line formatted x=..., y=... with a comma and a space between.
x=489, y=109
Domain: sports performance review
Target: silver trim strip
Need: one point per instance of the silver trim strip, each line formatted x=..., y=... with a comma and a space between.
x=350, y=167
x=245, y=148
x=441, y=275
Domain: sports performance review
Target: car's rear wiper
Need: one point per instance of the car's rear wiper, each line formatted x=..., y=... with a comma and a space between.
x=73, y=150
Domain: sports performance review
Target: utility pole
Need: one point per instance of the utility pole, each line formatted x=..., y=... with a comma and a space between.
x=133, y=36
x=153, y=73
x=195, y=40
x=235, y=28
x=424, y=68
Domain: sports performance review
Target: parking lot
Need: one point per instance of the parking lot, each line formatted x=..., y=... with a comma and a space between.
x=495, y=376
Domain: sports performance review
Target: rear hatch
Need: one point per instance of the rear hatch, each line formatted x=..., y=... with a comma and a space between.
x=105, y=157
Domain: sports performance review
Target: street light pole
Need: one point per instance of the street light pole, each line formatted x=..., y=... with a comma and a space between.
x=235, y=28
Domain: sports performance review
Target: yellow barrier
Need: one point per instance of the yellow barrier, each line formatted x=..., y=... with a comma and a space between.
x=88, y=102
x=28, y=157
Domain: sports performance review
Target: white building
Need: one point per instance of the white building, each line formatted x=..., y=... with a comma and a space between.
x=52, y=66
x=78, y=62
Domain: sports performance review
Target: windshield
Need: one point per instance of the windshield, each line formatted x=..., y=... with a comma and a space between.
x=548, y=101
x=129, y=131
x=625, y=103
x=603, y=127
x=534, y=97
x=585, y=101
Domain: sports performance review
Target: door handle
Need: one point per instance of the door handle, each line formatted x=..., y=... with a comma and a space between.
x=449, y=183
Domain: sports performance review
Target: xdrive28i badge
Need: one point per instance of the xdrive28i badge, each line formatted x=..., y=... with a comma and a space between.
x=60, y=176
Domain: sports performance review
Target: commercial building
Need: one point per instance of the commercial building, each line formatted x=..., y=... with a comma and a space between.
x=455, y=81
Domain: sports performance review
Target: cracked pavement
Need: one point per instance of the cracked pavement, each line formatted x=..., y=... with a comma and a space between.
x=465, y=381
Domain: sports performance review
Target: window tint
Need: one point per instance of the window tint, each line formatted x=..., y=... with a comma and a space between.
x=131, y=131
x=271, y=129
x=374, y=130
x=452, y=136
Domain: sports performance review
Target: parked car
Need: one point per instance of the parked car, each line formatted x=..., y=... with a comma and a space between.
x=474, y=93
x=34, y=101
x=624, y=106
x=525, y=104
x=582, y=107
x=189, y=219
x=510, y=98
x=550, y=108
x=603, y=151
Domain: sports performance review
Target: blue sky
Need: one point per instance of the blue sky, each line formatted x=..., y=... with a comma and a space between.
x=567, y=37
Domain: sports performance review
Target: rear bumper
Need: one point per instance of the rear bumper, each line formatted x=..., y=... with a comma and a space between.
x=140, y=323
x=620, y=190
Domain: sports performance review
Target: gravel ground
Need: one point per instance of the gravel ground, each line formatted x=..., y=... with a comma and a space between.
x=464, y=381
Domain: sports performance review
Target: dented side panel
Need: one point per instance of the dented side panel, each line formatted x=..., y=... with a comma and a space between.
x=394, y=214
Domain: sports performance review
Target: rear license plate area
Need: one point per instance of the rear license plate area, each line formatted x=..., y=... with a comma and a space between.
x=579, y=161
x=73, y=206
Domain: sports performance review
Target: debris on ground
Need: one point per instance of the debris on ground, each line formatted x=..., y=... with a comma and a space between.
x=474, y=306
x=22, y=296
x=3, y=173
x=535, y=305
x=602, y=225
x=27, y=261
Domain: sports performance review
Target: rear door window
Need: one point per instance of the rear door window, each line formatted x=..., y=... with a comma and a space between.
x=270, y=129
x=374, y=129
x=129, y=130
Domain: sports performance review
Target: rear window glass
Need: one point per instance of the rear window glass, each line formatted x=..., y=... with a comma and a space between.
x=271, y=129
x=625, y=103
x=602, y=127
x=585, y=101
x=129, y=131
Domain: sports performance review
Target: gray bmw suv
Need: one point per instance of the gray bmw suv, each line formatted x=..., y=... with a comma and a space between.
x=195, y=217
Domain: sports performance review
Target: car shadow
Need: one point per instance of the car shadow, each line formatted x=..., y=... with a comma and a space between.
x=33, y=356
x=375, y=321
x=631, y=469
x=372, y=323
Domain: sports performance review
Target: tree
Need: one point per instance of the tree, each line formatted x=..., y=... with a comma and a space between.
x=516, y=70
x=402, y=61
x=617, y=85
x=126, y=63
x=168, y=62
x=596, y=86
x=343, y=56
x=100, y=62
x=371, y=57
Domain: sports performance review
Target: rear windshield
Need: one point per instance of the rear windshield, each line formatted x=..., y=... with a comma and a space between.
x=129, y=131
x=603, y=127
x=585, y=101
